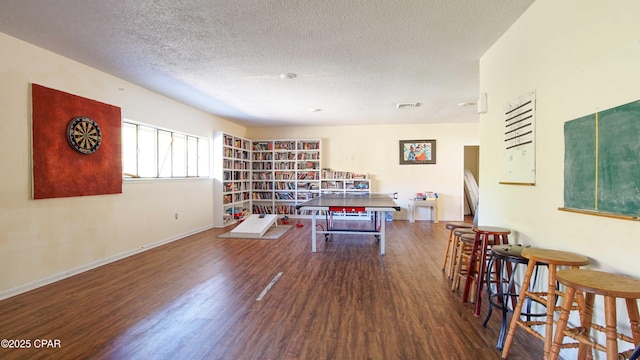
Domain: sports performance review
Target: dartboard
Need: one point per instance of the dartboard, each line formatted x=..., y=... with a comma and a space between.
x=84, y=134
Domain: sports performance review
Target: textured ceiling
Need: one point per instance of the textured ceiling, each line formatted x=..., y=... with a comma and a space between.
x=354, y=59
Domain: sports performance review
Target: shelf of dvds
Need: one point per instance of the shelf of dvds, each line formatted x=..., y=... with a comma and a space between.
x=344, y=181
x=285, y=172
x=231, y=178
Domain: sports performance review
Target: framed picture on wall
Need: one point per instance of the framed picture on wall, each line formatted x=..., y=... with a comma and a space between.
x=417, y=152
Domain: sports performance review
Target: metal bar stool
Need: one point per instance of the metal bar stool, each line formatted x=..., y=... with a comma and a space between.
x=450, y=250
x=481, y=245
x=553, y=259
x=636, y=354
x=501, y=289
x=593, y=283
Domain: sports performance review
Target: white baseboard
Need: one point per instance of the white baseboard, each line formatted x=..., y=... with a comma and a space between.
x=63, y=275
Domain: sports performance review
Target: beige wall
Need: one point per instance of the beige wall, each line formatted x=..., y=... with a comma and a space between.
x=374, y=150
x=44, y=240
x=580, y=57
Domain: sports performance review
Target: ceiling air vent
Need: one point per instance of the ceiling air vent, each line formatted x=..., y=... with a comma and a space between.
x=407, y=105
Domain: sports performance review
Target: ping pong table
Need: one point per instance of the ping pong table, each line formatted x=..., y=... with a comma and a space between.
x=350, y=204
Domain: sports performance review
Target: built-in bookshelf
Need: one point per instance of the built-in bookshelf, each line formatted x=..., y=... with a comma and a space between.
x=284, y=173
x=272, y=177
x=262, y=177
x=232, y=178
x=343, y=181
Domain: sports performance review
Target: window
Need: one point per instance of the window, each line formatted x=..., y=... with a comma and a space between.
x=179, y=147
x=192, y=156
x=149, y=152
x=164, y=151
x=129, y=150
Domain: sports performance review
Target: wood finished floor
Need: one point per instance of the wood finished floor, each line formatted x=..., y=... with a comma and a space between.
x=196, y=299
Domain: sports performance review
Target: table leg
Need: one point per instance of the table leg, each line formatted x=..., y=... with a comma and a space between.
x=412, y=213
x=383, y=219
x=313, y=230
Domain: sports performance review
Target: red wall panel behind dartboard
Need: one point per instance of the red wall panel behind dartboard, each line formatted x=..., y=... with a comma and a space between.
x=58, y=169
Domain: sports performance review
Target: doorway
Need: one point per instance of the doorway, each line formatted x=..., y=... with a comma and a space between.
x=471, y=175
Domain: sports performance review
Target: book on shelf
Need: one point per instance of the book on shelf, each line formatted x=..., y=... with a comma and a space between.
x=261, y=195
x=284, y=196
x=283, y=156
x=285, y=175
x=308, y=145
x=310, y=175
x=266, y=175
x=335, y=174
x=308, y=186
x=262, y=185
x=262, y=146
x=262, y=209
x=284, y=145
x=307, y=195
x=330, y=185
x=262, y=156
x=308, y=156
x=285, y=209
x=284, y=166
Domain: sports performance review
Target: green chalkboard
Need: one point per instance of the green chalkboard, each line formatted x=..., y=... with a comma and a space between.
x=579, y=163
x=602, y=161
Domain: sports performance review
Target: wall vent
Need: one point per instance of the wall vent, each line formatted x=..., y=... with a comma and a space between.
x=407, y=105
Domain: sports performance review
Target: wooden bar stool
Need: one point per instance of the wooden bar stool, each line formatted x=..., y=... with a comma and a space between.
x=449, y=252
x=485, y=237
x=463, y=254
x=593, y=283
x=553, y=259
x=457, y=235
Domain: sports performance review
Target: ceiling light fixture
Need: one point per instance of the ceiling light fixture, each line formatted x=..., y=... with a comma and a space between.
x=288, y=76
x=315, y=110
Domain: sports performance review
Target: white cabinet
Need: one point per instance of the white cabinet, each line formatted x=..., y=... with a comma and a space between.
x=232, y=178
